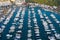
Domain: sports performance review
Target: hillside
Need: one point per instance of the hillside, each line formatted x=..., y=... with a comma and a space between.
x=48, y=2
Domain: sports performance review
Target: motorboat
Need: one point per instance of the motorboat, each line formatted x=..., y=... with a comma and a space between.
x=9, y=36
x=29, y=39
x=57, y=35
x=51, y=38
x=29, y=34
x=18, y=36
x=52, y=16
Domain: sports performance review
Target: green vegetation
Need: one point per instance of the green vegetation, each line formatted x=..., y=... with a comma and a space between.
x=48, y=2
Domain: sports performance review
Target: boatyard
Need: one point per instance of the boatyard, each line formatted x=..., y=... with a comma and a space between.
x=28, y=21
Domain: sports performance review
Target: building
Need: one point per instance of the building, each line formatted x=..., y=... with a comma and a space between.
x=5, y=2
x=9, y=2
x=18, y=2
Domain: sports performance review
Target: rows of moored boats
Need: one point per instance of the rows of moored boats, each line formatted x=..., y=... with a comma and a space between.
x=15, y=32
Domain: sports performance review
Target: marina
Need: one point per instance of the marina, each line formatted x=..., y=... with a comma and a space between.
x=30, y=23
